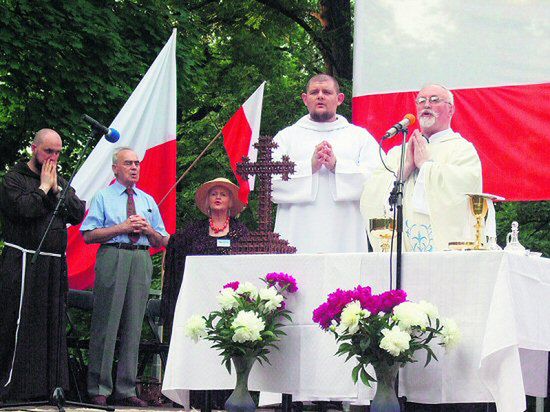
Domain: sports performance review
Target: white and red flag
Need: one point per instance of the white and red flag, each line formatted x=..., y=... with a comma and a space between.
x=240, y=134
x=147, y=124
x=493, y=55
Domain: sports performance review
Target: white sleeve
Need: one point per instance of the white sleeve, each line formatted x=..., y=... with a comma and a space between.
x=352, y=172
x=302, y=184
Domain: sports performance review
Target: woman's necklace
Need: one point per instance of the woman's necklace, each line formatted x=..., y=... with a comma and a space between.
x=219, y=229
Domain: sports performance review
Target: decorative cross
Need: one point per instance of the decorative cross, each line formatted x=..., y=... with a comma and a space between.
x=264, y=240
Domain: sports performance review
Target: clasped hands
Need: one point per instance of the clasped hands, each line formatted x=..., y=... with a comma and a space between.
x=137, y=224
x=48, y=177
x=323, y=155
x=417, y=153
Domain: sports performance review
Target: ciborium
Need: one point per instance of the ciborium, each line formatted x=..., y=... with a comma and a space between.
x=382, y=228
x=478, y=206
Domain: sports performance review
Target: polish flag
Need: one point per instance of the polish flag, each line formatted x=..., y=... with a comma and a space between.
x=493, y=55
x=147, y=124
x=239, y=136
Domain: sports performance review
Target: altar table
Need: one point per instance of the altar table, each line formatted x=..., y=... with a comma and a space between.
x=500, y=301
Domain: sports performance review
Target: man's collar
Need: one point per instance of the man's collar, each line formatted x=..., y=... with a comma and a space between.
x=436, y=137
x=306, y=123
x=120, y=188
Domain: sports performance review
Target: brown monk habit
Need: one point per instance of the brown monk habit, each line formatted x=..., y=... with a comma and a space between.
x=26, y=211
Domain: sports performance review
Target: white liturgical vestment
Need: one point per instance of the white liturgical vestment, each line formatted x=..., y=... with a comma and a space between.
x=319, y=212
x=435, y=206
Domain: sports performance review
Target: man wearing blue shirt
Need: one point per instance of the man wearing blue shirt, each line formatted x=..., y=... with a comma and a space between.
x=126, y=221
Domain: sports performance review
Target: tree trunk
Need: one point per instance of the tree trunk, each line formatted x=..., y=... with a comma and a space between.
x=335, y=17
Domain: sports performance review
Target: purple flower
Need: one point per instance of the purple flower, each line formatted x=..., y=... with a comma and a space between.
x=391, y=298
x=366, y=298
x=337, y=300
x=331, y=309
x=282, y=279
x=232, y=285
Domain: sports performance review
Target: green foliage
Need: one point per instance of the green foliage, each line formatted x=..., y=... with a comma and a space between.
x=62, y=59
x=364, y=344
x=534, y=224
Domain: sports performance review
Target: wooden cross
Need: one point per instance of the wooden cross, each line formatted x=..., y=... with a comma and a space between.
x=264, y=240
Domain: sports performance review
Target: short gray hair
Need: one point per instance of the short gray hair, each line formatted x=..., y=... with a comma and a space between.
x=450, y=95
x=117, y=151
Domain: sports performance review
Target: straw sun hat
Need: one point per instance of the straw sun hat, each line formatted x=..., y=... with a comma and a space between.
x=202, y=194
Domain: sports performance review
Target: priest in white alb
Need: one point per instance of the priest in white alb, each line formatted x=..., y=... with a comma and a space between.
x=318, y=207
x=440, y=168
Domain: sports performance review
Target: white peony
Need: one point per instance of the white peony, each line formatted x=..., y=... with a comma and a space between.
x=410, y=314
x=429, y=309
x=247, y=326
x=450, y=333
x=395, y=341
x=271, y=299
x=195, y=328
x=350, y=317
x=227, y=299
x=247, y=287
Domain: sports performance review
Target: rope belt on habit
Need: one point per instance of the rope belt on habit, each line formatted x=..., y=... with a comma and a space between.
x=126, y=246
x=23, y=269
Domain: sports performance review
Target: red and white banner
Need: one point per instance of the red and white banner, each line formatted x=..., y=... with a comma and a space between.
x=240, y=134
x=493, y=55
x=147, y=124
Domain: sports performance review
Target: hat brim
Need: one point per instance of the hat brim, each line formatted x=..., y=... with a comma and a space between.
x=202, y=194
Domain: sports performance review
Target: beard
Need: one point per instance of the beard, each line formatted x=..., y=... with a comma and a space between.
x=426, y=122
x=321, y=117
x=37, y=164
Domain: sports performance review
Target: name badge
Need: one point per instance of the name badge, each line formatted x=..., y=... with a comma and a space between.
x=224, y=242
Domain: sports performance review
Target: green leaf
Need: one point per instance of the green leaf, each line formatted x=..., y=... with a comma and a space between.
x=366, y=378
x=355, y=373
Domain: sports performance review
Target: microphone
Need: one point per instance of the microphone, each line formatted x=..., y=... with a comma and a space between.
x=111, y=135
x=396, y=128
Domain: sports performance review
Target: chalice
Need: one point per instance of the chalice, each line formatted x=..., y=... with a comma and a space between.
x=478, y=206
x=382, y=228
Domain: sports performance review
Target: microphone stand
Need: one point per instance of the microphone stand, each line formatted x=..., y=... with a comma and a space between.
x=396, y=204
x=58, y=396
x=396, y=201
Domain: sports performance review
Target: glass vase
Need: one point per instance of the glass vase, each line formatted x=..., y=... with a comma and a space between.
x=385, y=398
x=240, y=400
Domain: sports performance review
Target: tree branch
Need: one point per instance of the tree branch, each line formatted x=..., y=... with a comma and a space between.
x=291, y=14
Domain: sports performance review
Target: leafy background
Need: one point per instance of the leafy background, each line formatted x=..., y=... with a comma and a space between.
x=60, y=59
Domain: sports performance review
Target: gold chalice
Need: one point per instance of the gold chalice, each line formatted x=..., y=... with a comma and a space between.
x=478, y=206
x=382, y=228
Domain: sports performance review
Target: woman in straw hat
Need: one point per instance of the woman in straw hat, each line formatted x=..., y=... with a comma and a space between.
x=218, y=199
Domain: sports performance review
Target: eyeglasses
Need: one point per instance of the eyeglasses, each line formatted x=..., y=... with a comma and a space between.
x=129, y=163
x=432, y=100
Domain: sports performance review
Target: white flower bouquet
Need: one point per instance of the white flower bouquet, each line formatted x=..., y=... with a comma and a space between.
x=382, y=330
x=248, y=322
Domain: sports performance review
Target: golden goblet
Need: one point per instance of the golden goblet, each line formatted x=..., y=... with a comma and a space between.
x=478, y=206
x=382, y=228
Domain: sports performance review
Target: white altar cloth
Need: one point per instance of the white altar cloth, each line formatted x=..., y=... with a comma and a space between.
x=500, y=301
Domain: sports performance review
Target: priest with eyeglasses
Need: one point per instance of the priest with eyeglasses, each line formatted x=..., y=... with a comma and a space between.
x=440, y=168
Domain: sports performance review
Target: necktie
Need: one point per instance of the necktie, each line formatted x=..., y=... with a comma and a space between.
x=131, y=210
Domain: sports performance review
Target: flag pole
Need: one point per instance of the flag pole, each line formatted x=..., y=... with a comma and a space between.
x=191, y=166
